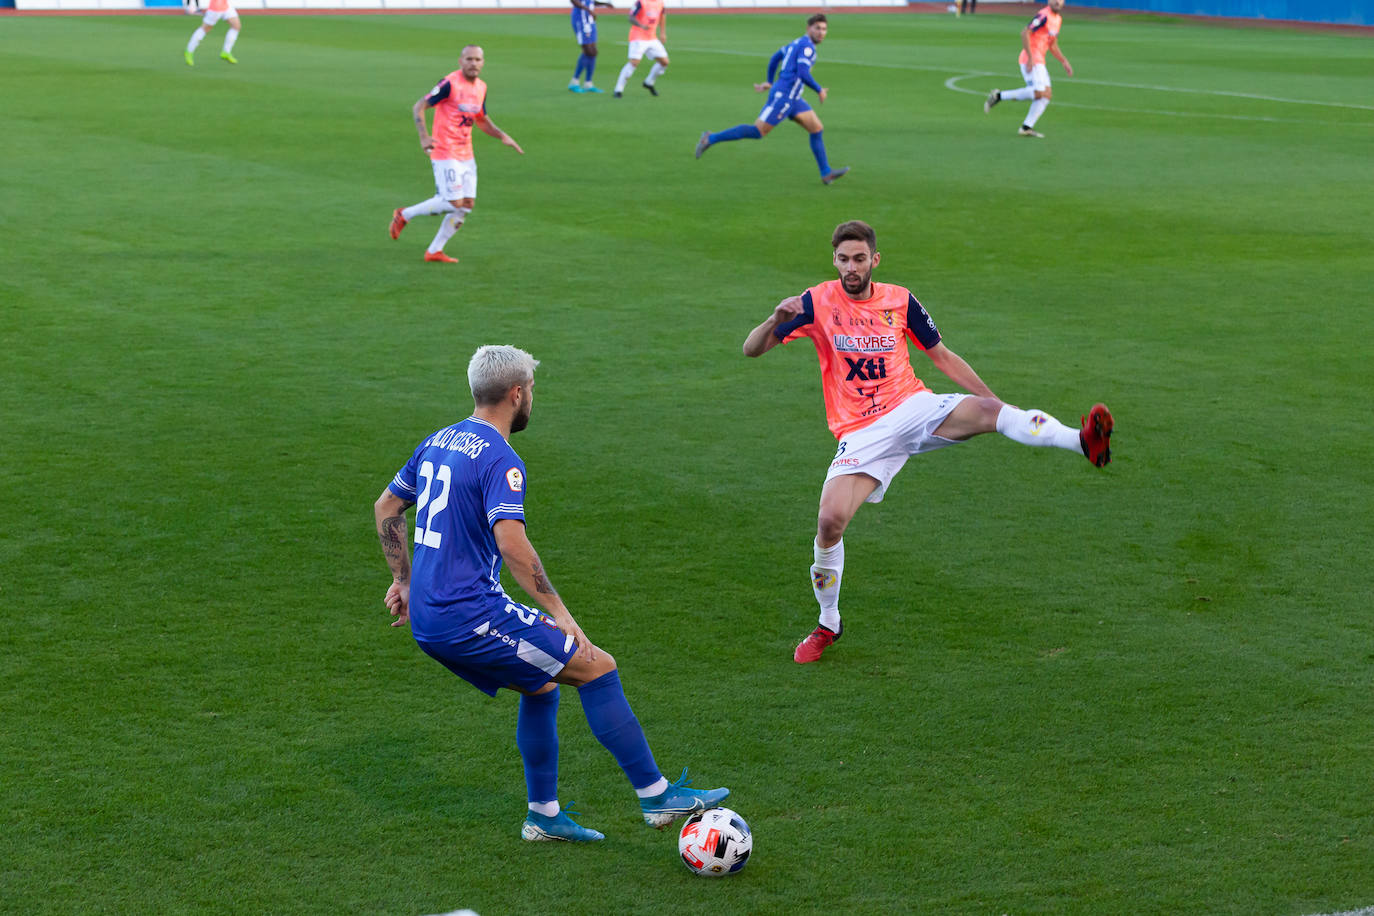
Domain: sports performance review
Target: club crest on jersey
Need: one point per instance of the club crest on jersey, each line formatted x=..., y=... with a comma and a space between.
x=887, y=316
x=515, y=480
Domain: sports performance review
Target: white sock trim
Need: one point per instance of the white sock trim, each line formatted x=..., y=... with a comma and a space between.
x=548, y=809
x=653, y=788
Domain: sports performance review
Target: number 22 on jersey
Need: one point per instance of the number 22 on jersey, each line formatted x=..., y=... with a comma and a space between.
x=426, y=533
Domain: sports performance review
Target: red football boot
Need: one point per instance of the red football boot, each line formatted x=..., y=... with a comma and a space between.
x=810, y=648
x=1096, y=435
x=398, y=222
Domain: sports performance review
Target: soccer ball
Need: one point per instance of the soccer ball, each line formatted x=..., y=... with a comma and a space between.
x=715, y=842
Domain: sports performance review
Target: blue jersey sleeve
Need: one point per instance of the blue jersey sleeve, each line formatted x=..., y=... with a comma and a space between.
x=503, y=489
x=805, y=317
x=403, y=484
x=920, y=327
x=774, y=61
x=804, y=62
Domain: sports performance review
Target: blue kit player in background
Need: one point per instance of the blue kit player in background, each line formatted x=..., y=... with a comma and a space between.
x=468, y=489
x=789, y=72
x=584, y=30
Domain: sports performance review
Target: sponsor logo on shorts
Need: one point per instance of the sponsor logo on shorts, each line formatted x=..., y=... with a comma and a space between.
x=845, y=463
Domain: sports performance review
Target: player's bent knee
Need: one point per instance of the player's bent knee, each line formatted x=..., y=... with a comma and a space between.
x=1044, y=93
x=830, y=527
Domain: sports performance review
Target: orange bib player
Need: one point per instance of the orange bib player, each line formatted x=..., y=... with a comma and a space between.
x=460, y=103
x=1038, y=38
x=878, y=409
x=217, y=10
x=647, y=18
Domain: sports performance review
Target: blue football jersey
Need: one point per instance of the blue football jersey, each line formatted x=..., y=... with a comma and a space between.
x=792, y=66
x=463, y=479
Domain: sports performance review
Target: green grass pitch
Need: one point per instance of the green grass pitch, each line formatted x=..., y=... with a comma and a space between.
x=1061, y=690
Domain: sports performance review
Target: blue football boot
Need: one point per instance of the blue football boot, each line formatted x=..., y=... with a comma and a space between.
x=559, y=827
x=679, y=801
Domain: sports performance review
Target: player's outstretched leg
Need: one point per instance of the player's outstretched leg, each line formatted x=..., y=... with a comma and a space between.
x=678, y=800
x=993, y=98
x=1096, y=435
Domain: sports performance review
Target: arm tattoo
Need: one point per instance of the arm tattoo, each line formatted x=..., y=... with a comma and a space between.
x=541, y=579
x=393, y=534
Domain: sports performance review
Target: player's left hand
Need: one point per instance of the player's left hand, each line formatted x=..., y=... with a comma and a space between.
x=398, y=602
x=823, y=93
x=510, y=141
x=762, y=87
x=1068, y=69
x=569, y=626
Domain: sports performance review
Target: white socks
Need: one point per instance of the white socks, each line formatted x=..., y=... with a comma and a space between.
x=196, y=38
x=653, y=788
x=450, y=225
x=548, y=809
x=427, y=208
x=1036, y=110
x=626, y=72
x=1017, y=95
x=826, y=574
x=229, y=39
x=1035, y=427
x=654, y=73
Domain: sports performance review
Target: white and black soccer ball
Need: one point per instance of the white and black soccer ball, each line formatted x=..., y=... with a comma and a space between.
x=715, y=842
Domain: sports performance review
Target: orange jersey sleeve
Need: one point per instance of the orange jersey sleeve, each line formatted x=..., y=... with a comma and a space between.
x=1044, y=29
x=458, y=103
x=862, y=347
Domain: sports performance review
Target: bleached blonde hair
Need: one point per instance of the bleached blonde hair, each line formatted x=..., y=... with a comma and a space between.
x=494, y=370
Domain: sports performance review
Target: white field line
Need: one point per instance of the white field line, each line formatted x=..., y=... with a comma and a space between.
x=1363, y=911
x=952, y=83
x=928, y=69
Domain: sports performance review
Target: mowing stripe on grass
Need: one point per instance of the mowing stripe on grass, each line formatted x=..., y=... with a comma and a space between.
x=1077, y=80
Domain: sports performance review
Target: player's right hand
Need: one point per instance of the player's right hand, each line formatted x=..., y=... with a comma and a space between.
x=427, y=144
x=788, y=308
x=823, y=93
x=398, y=602
x=762, y=87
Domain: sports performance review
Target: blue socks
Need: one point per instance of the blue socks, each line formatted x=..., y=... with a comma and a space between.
x=818, y=150
x=615, y=726
x=738, y=132
x=536, y=735
x=585, y=65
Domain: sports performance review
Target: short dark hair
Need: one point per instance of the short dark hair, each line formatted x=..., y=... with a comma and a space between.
x=819, y=17
x=856, y=230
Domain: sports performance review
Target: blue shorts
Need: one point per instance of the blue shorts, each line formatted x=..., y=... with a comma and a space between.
x=584, y=27
x=510, y=645
x=779, y=107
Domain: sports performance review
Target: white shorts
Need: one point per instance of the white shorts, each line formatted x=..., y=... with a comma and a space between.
x=455, y=179
x=1037, y=77
x=882, y=447
x=213, y=16
x=650, y=49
